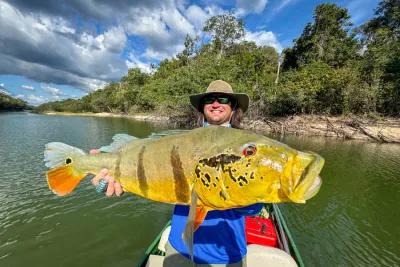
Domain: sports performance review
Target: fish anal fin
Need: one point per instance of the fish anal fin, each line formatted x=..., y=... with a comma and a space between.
x=63, y=180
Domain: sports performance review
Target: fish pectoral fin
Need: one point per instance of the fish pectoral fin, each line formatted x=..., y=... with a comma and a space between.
x=196, y=217
x=201, y=213
x=63, y=180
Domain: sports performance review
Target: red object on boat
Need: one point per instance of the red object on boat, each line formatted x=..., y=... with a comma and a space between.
x=261, y=231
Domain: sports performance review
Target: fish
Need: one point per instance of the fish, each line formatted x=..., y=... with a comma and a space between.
x=209, y=168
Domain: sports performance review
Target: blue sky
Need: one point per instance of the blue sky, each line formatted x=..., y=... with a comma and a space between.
x=52, y=50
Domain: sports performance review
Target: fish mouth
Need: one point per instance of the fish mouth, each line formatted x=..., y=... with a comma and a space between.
x=310, y=182
x=314, y=189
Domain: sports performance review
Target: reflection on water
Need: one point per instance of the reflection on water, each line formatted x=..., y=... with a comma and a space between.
x=351, y=222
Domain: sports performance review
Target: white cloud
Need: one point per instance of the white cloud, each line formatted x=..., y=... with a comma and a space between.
x=244, y=7
x=282, y=4
x=263, y=38
x=196, y=16
x=134, y=62
x=35, y=100
x=1, y=84
x=20, y=96
x=163, y=28
x=42, y=42
x=51, y=90
x=27, y=87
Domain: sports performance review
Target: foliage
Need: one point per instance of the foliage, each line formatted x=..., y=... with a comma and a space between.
x=8, y=103
x=327, y=39
x=225, y=29
x=327, y=71
x=381, y=61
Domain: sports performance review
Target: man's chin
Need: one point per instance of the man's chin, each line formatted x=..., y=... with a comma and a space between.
x=216, y=121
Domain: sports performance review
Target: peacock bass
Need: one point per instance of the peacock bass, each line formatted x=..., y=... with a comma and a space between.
x=207, y=168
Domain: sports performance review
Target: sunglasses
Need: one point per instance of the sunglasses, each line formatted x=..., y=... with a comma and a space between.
x=220, y=99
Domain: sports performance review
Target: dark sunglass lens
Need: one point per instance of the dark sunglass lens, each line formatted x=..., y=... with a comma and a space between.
x=223, y=100
x=208, y=100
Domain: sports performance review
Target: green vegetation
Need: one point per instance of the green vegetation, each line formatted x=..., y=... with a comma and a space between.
x=331, y=69
x=8, y=103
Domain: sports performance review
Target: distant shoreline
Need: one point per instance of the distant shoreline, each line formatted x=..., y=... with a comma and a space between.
x=383, y=130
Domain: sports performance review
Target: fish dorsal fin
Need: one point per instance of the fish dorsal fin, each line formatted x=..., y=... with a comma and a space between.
x=196, y=216
x=166, y=133
x=119, y=140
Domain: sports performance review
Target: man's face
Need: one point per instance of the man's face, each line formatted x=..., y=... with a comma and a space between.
x=215, y=112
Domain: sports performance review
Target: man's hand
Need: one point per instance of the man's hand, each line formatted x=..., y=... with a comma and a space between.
x=113, y=188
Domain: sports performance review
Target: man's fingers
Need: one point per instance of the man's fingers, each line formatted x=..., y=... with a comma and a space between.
x=101, y=175
x=94, y=151
x=118, y=189
x=111, y=186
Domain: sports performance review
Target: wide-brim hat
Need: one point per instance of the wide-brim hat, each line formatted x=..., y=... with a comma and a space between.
x=220, y=87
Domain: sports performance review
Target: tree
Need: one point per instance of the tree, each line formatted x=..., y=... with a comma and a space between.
x=225, y=29
x=189, y=50
x=327, y=39
x=381, y=61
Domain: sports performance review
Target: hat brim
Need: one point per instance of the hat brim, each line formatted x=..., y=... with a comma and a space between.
x=242, y=100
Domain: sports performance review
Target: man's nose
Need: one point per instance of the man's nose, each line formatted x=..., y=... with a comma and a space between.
x=215, y=103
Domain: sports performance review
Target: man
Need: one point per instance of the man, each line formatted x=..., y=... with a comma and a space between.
x=220, y=240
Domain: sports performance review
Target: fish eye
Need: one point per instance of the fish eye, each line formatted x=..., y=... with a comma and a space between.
x=249, y=150
x=68, y=161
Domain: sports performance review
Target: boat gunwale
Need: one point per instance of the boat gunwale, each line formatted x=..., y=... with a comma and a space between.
x=279, y=222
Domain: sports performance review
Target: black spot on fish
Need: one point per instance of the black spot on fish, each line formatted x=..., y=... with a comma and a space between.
x=220, y=160
x=68, y=161
x=214, y=184
x=181, y=184
x=208, y=177
x=205, y=182
x=231, y=175
x=252, y=175
x=141, y=173
x=240, y=183
x=242, y=179
x=197, y=171
x=222, y=195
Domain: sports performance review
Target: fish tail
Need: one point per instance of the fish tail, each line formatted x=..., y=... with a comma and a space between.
x=62, y=177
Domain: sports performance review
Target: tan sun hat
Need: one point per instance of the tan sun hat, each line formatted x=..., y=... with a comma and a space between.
x=220, y=87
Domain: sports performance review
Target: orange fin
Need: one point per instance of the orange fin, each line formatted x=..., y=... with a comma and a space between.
x=201, y=213
x=63, y=180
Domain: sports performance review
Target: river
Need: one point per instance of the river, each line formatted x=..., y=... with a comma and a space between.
x=353, y=221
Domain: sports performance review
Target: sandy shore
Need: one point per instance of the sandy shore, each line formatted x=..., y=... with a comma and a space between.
x=385, y=130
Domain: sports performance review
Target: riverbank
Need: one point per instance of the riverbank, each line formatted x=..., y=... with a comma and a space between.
x=384, y=130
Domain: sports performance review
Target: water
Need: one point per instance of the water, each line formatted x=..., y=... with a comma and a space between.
x=353, y=221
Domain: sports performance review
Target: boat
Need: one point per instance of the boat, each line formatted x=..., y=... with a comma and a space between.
x=269, y=242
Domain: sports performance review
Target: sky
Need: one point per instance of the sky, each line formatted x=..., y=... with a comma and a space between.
x=53, y=50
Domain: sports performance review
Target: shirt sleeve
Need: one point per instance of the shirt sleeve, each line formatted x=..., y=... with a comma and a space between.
x=250, y=210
